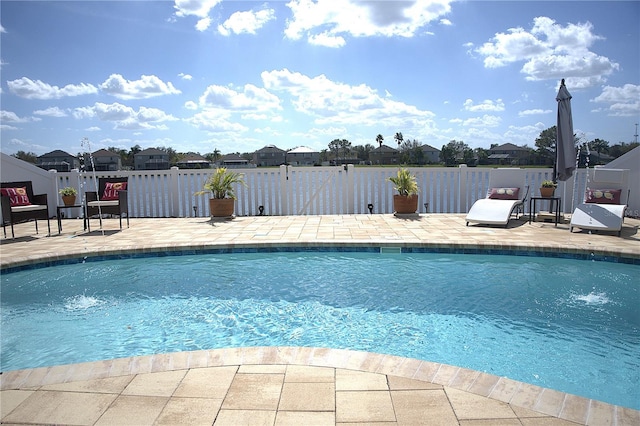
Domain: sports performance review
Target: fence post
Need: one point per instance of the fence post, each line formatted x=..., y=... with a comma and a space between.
x=462, y=189
x=284, y=190
x=174, y=196
x=349, y=191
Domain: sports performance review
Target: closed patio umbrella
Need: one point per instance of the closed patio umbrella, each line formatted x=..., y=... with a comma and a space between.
x=565, y=148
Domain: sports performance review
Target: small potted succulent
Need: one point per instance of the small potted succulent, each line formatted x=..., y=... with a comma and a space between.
x=406, y=200
x=68, y=195
x=547, y=188
x=220, y=185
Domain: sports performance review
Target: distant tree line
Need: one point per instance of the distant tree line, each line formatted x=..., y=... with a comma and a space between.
x=410, y=151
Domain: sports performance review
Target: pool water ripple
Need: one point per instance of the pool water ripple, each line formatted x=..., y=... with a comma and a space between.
x=575, y=330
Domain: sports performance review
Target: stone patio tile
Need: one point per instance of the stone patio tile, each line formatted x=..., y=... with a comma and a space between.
x=364, y=406
x=402, y=383
x=307, y=397
x=470, y=406
x=155, y=384
x=303, y=373
x=297, y=418
x=445, y=374
x=211, y=382
x=108, y=385
x=254, y=392
x=245, y=418
x=491, y=422
x=359, y=380
x=263, y=369
x=550, y=402
x=545, y=421
x=414, y=407
x=61, y=408
x=504, y=389
x=601, y=413
x=189, y=411
x=133, y=410
x=10, y=399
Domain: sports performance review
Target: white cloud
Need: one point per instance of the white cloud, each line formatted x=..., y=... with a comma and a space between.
x=446, y=22
x=30, y=89
x=338, y=103
x=251, y=99
x=12, y=117
x=246, y=22
x=203, y=24
x=191, y=105
x=484, y=121
x=147, y=87
x=198, y=8
x=125, y=117
x=624, y=101
x=550, y=51
x=529, y=112
x=51, y=112
x=185, y=76
x=324, y=20
x=486, y=105
x=215, y=120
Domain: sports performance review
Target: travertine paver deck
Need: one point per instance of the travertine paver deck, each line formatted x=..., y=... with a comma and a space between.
x=282, y=385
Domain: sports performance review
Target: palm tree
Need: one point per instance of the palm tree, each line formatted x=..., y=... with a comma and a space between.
x=399, y=138
x=379, y=139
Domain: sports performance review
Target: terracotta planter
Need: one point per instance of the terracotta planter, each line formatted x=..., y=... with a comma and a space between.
x=547, y=192
x=221, y=207
x=68, y=200
x=405, y=204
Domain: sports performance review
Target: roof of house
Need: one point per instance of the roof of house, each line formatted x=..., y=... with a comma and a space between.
x=302, y=150
x=508, y=147
x=152, y=151
x=426, y=147
x=192, y=157
x=270, y=148
x=56, y=153
x=384, y=148
x=232, y=158
x=104, y=153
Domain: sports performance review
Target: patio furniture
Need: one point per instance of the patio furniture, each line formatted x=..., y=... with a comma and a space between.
x=19, y=204
x=605, y=201
x=111, y=198
x=506, y=196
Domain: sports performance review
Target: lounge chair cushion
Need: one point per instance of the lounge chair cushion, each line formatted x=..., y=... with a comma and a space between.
x=603, y=196
x=18, y=196
x=28, y=208
x=111, y=190
x=504, y=193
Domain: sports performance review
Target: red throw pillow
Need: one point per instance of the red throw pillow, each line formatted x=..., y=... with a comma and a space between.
x=603, y=196
x=504, y=193
x=18, y=196
x=111, y=190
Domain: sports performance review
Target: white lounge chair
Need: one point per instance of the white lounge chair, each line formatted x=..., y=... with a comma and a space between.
x=605, y=201
x=506, y=196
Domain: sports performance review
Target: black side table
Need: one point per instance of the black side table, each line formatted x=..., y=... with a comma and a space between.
x=60, y=208
x=552, y=200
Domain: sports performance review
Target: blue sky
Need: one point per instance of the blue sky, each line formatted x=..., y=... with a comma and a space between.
x=199, y=75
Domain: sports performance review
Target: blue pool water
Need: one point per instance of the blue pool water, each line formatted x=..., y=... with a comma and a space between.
x=571, y=325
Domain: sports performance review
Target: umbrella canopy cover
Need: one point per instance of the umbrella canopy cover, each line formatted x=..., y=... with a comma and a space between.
x=565, y=147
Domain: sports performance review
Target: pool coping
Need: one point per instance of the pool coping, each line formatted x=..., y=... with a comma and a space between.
x=541, y=400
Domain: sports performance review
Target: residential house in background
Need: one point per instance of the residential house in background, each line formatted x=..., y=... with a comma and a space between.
x=509, y=154
x=232, y=161
x=384, y=155
x=103, y=161
x=431, y=154
x=58, y=160
x=151, y=159
x=193, y=161
x=270, y=155
x=303, y=156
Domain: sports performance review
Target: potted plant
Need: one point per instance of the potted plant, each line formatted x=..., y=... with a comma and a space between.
x=68, y=195
x=406, y=200
x=547, y=188
x=220, y=185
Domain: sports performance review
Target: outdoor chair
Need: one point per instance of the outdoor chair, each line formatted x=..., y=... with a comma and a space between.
x=605, y=201
x=111, y=198
x=506, y=196
x=19, y=204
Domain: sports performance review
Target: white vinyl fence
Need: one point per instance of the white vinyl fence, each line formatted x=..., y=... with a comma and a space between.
x=289, y=190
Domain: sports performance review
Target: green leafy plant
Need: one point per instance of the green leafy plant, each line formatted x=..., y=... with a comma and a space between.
x=548, y=184
x=404, y=182
x=221, y=183
x=68, y=191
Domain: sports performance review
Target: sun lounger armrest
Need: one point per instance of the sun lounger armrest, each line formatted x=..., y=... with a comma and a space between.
x=91, y=196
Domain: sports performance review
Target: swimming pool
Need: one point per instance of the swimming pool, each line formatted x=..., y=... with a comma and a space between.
x=576, y=330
